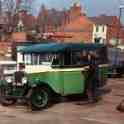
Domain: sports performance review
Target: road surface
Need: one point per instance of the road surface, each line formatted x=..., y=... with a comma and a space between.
x=71, y=112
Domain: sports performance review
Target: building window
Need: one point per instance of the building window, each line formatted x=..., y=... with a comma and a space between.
x=97, y=28
x=97, y=40
x=103, y=28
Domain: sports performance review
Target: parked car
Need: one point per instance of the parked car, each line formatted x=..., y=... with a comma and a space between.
x=116, y=61
x=7, y=69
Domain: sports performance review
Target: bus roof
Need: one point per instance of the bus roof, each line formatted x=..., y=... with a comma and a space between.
x=59, y=47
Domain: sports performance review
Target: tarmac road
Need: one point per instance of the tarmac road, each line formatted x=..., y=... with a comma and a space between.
x=71, y=112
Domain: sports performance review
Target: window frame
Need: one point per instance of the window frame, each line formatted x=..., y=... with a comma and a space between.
x=97, y=28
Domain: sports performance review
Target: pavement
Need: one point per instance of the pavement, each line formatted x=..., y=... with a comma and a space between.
x=71, y=112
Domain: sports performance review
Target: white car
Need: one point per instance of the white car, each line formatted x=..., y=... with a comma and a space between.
x=7, y=69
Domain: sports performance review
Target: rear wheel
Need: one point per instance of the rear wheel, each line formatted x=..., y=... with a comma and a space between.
x=40, y=98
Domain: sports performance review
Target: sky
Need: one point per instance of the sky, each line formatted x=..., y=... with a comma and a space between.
x=91, y=7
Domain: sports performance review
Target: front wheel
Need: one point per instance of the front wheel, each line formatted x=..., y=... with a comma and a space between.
x=40, y=98
x=7, y=101
x=4, y=100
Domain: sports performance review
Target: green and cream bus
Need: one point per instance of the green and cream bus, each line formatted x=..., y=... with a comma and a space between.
x=53, y=68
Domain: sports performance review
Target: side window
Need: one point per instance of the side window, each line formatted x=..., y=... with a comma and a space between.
x=76, y=58
x=34, y=59
x=67, y=58
x=45, y=59
x=79, y=58
x=41, y=59
x=55, y=59
x=27, y=59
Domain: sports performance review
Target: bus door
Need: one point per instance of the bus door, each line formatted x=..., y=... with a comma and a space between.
x=73, y=77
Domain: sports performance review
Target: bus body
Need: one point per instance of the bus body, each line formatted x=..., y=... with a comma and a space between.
x=58, y=68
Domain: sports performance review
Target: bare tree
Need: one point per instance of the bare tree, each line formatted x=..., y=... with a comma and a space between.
x=9, y=6
x=12, y=7
x=8, y=10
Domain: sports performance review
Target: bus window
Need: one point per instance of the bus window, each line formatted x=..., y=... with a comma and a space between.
x=35, y=59
x=67, y=58
x=27, y=59
x=56, y=60
x=45, y=59
x=79, y=58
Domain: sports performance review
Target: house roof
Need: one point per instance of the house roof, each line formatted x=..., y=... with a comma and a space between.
x=80, y=24
x=104, y=20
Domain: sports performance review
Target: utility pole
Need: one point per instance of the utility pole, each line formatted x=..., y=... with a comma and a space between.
x=116, y=59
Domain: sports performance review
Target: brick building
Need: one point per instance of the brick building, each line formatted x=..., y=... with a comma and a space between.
x=79, y=30
x=25, y=19
x=5, y=51
x=70, y=25
x=49, y=20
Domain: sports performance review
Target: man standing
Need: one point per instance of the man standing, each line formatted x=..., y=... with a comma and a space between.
x=92, y=79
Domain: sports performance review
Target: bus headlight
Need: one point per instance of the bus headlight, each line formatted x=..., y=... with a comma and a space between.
x=9, y=79
x=24, y=80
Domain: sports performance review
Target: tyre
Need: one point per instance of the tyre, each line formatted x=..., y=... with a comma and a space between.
x=7, y=101
x=40, y=98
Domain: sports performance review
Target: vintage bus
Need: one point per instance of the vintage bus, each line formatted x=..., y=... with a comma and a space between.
x=53, y=68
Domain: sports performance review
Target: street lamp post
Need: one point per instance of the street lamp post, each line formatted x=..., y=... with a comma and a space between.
x=121, y=7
